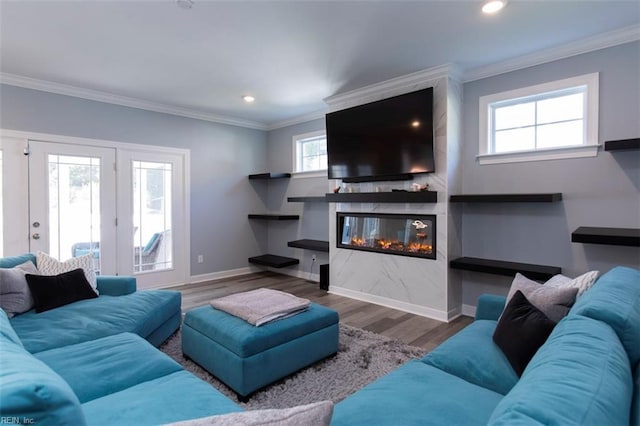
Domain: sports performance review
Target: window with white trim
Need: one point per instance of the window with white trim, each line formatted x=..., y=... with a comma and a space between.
x=547, y=121
x=310, y=152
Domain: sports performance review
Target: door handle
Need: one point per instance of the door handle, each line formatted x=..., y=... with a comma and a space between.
x=36, y=236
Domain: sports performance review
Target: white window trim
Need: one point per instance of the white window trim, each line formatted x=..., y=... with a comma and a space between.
x=294, y=155
x=313, y=174
x=588, y=149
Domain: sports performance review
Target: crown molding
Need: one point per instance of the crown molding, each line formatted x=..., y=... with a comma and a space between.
x=392, y=87
x=601, y=41
x=95, y=95
x=298, y=120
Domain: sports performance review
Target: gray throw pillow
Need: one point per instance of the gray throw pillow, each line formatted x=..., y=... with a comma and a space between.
x=316, y=414
x=553, y=302
x=15, y=297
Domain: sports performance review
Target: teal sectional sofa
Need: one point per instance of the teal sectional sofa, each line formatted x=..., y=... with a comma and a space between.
x=94, y=362
x=587, y=372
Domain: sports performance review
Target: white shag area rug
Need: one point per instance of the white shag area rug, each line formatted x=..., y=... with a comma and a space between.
x=362, y=357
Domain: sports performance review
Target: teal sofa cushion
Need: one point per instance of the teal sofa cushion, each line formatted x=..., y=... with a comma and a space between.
x=112, y=363
x=140, y=313
x=472, y=355
x=490, y=307
x=110, y=285
x=12, y=261
x=31, y=392
x=615, y=299
x=417, y=394
x=635, y=403
x=580, y=376
x=6, y=330
x=178, y=396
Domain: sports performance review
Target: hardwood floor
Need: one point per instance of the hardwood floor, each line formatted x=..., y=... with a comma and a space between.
x=408, y=328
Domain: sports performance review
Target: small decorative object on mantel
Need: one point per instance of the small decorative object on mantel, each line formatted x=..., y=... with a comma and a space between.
x=337, y=189
x=416, y=187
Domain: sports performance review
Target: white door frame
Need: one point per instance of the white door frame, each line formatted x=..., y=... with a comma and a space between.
x=16, y=138
x=15, y=187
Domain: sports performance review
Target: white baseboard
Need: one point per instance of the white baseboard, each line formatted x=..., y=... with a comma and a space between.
x=469, y=311
x=298, y=274
x=395, y=304
x=230, y=273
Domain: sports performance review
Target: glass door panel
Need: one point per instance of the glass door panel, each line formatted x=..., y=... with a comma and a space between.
x=152, y=216
x=74, y=207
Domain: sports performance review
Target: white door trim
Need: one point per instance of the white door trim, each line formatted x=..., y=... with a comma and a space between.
x=14, y=189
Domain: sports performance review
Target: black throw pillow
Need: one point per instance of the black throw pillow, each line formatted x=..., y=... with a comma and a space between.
x=521, y=330
x=53, y=291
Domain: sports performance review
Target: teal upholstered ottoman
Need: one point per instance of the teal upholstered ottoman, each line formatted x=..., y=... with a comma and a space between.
x=248, y=358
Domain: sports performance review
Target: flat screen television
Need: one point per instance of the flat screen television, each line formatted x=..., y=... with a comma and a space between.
x=388, y=139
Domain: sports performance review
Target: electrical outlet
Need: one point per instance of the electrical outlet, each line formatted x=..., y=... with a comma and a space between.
x=200, y=258
x=313, y=258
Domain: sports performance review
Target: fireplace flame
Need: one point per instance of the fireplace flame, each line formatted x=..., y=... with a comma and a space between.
x=359, y=242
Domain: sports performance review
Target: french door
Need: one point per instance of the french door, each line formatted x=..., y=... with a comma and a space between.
x=153, y=220
x=125, y=207
x=72, y=202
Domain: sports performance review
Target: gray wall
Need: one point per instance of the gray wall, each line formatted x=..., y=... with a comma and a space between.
x=314, y=216
x=221, y=158
x=598, y=191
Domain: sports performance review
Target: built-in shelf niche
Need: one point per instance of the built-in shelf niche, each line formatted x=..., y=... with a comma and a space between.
x=270, y=176
x=383, y=197
x=308, y=199
x=501, y=267
x=307, y=244
x=507, y=198
x=273, y=261
x=622, y=144
x=274, y=216
x=607, y=236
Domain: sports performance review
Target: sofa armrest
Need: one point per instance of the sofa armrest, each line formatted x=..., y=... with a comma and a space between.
x=111, y=285
x=490, y=307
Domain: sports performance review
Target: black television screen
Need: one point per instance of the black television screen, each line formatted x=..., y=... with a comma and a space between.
x=382, y=140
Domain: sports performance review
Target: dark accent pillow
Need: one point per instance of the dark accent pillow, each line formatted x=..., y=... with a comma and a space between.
x=521, y=331
x=53, y=291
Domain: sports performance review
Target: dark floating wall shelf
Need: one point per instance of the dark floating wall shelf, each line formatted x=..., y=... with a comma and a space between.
x=270, y=176
x=274, y=216
x=383, y=197
x=500, y=267
x=607, y=236
x=273, y=260
x=507, y=198
x=316, y=245
x=310, y=199
x=622, y=144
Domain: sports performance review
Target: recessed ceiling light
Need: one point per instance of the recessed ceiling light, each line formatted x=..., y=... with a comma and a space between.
x=493, y=6
x=184, y=4
x=248, y=98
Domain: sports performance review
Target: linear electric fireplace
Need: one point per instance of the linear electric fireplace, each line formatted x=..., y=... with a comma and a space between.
x=400, y=234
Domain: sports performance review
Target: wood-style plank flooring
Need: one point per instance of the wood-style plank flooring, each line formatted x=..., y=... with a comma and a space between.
x=408, y=328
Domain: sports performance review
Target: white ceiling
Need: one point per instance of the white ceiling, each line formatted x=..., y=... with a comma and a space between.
x=288, y=54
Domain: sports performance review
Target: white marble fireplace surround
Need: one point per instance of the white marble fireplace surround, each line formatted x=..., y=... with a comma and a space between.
x=421, y=286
